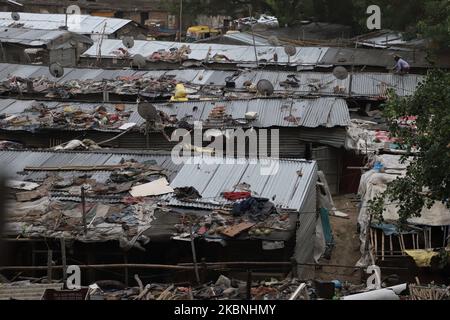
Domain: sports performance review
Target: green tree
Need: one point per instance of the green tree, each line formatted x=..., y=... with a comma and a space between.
x=427, y=177
x=435, y=25
x=287, y=11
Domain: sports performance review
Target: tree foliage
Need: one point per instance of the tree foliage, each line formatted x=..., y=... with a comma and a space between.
x=427, y=177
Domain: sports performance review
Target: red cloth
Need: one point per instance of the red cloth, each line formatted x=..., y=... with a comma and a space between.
x=236, y=195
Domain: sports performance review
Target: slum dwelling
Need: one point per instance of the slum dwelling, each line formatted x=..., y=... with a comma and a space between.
x=27, y=46
x=159, y=85
x=103, y=208
x=305, y=128
x=418, y=249
x=147, y=55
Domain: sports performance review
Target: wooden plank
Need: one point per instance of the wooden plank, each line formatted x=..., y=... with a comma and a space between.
x=236, y=229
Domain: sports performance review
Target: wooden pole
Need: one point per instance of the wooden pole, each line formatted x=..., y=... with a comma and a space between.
x=63, y=258
x=125, y=260
x=425, y=239
x=382, y=246
x=376, y=241
x=403, y=243
x=391, y=246
x=83, y=206
x=249, y=285
x=194, y=255
x=49, y=265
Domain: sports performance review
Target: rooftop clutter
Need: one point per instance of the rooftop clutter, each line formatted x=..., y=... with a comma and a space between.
x=122, y=198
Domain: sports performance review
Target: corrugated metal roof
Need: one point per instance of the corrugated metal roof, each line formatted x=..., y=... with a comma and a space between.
x=286, y=189
x=26, y=290
x=199, y=51
x=376, y=84
x=15, y=161
x=247, y=38
x=368, y=84
x=383, y=39
x=278, y=180
x=82, y=24
x=39, y=38
x=310, y=113
x=326, y=112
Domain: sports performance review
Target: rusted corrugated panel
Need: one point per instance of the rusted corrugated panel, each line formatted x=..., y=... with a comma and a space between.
x=376, y=84
x=285, y=187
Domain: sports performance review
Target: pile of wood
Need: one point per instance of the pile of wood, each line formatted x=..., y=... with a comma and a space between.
x=418, y=292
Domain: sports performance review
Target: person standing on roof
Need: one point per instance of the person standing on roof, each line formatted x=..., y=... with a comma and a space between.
x=401, y=66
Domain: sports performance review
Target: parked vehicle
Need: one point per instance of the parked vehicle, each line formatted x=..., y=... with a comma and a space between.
x=264, y=19
x=196, y=33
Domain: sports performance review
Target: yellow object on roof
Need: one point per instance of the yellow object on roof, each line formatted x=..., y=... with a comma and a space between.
x=202, y=29
x=180, y=93
x=422, y=258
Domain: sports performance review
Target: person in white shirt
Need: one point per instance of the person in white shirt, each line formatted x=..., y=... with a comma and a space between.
x=401, y=66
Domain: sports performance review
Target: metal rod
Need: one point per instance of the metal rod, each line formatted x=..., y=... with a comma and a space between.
x=194, y=255
x=181, y=19
x=181, y=267
x=253, y=35
x=100, y=266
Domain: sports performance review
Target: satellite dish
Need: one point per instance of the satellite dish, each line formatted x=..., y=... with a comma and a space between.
x=340, y=73
x=264, y=87
x=141, y=37
x=148, y=111
x=128, y=42
x=73, y=9
x=56, y=70
x=273, y=41
x=290, y=50
x=15, y=16
x=138, y=61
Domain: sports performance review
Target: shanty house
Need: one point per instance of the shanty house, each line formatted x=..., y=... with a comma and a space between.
x=19, y=45
x=415, y=248
x=95, y=27
x=143, y=207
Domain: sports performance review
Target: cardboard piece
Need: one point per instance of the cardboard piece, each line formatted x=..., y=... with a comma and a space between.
x=154, y=188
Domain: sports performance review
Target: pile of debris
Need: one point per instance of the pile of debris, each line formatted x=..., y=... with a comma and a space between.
x=122, y=85
x=173, y=55
x=251, y=218
x=66, y=116
x=79, y=205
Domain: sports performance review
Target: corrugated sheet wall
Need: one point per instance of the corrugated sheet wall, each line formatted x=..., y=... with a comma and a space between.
x=305, y=238
x=329, y=161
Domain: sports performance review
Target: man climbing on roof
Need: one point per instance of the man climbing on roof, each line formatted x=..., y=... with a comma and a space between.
x=401, y=66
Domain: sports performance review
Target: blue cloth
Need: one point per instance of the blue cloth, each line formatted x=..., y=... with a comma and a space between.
x=326, y=226
x=387, y=228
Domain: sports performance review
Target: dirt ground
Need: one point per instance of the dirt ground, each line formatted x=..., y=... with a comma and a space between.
x=346, y=249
